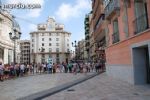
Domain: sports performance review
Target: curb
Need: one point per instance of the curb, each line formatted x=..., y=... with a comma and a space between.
x=49, y=92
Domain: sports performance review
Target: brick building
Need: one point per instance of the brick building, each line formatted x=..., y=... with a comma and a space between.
x=127, y=35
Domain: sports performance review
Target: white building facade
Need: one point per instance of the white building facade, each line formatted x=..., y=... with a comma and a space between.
x=7, y=23
x=50, y=41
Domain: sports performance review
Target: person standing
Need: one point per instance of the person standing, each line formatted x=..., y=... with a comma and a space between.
x=1, y=72
x=49, y=67
x=70, y=67
x=17, y=68
x=22, y=69
x=74, y=69
x=44, y=67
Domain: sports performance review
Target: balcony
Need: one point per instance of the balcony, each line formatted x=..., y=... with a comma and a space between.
x=115, y=37
x=87, y=28
x=112, y=8
x=86, y=32
x=87, y=37
x=140, y=23
x=100, y=21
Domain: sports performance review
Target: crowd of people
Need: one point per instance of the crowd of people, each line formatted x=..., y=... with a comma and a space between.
x=11, y=71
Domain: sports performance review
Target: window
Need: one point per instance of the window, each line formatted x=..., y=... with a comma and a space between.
x=49, y=27
x=42, y=39
x=42, y=34
x=57, y=34
x=42, y=44
x=32, y=45
x=115, y=35
x=50, y=39
x=57, y=44
x=57, y=49
x=57, y=39
x=50, y=49
x=32, y=50
x=141, y=20
x=50, y=56
x=68, y=45
x=50, y=44
x=68, y=40
x=32, y=40
x=68, y=50
x=49, y=34
x=57, y=55
x=43, y=56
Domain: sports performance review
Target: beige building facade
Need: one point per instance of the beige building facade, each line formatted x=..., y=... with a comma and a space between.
x=50, y=41
x=7, y=23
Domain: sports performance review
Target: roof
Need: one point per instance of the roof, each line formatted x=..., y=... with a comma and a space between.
x=15, y=24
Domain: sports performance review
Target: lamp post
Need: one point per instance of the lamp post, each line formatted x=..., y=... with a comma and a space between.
x=42, y=57
x=15, y=36
x=75, y=45
x=67, y=56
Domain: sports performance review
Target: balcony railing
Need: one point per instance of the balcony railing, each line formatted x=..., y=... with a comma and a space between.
x=140, y=23
x=115, y=37
x=99, y=22
x=113, y=6
x=87, y=28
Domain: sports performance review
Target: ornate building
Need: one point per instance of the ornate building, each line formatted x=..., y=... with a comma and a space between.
x=50, y=41
x=7, y=24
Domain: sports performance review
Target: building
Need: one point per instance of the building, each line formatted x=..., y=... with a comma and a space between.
x=50, y=41
x=99, y=31
x=7, y=24
x=25, y=51
x=127, y=36
x=87, y=35
x=92, y=53
x=81, y=51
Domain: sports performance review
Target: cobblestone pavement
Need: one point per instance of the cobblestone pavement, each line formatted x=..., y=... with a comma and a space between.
x=103, y=87
x=24, y=86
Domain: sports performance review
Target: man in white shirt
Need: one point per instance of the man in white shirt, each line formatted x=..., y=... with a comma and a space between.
x=22, y=67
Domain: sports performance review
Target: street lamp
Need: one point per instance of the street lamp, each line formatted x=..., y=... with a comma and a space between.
x=67, y=55
x=42, y=56
x=15, y=37
x=75, y=45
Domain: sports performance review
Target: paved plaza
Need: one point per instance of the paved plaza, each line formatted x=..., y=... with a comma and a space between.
x=24, y=86
x=103, y=87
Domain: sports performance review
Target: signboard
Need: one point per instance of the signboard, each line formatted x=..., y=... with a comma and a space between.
x=50, y=60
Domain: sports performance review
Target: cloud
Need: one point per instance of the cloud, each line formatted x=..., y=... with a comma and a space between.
x=32, y=12
x=32, y=27
x=67, y=11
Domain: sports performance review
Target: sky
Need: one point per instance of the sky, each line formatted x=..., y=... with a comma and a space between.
x=71, y=13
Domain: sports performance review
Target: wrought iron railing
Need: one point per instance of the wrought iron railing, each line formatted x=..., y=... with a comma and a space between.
x=99, y=22
x=113, y=5
x=115, y=37
x=140, y=23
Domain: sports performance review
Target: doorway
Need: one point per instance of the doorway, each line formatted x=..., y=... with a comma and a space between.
x=141, y=65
